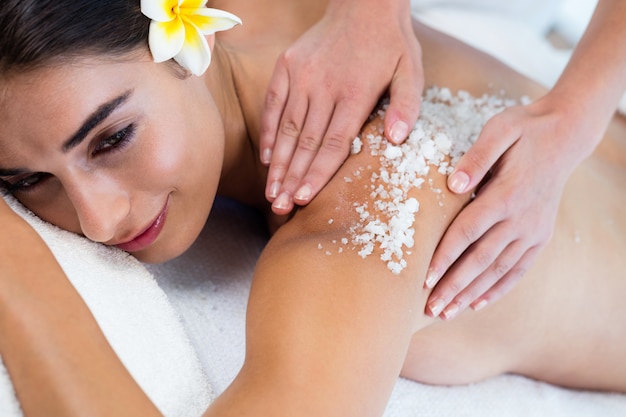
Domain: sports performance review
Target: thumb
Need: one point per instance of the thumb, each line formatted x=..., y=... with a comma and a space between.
x=494, y=140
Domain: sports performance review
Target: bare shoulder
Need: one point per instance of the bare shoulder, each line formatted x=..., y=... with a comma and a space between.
x=389, y=205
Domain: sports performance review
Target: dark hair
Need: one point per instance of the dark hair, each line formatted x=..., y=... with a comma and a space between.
x=38, y=32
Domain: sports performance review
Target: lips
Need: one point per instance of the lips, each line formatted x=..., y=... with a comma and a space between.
x=148, y=235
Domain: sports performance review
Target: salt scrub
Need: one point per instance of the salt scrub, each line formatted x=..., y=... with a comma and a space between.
x=448, y=125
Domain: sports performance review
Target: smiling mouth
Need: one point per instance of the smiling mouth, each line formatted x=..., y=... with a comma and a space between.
x=149, y=235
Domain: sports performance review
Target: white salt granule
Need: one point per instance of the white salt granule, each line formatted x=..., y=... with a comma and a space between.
x=392, y=152
x=448, y=125
x=356, y=146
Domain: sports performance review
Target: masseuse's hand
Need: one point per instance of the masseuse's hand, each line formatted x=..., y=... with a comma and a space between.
x=523, y=158
x=325, y=86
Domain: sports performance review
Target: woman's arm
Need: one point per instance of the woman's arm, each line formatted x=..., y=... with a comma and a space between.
x=58, y=359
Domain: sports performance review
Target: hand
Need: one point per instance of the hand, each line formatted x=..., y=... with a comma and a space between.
x=531, y=151
x=324, y=88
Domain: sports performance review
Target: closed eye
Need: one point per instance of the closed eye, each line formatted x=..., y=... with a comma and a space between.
x=25, y=184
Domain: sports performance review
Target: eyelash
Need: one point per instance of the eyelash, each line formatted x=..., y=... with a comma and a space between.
x=114, y=143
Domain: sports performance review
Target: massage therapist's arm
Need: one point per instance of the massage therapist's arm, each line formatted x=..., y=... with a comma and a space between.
x=530, y=152
x=324, y=87
x=57, y=357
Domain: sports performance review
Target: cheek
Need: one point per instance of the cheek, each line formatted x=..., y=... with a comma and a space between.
x=189, y=172
x=183, y=158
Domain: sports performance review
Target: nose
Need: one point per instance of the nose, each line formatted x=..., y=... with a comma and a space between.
x=100, y=203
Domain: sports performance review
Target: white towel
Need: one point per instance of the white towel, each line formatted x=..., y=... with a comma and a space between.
x=135, y=316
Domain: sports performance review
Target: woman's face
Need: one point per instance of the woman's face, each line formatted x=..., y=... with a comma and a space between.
x=124, y=153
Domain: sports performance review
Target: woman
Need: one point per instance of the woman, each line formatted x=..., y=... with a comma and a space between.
x=131, y=153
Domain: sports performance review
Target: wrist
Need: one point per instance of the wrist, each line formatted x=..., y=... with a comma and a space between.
x=380, y=8
x=577, y=128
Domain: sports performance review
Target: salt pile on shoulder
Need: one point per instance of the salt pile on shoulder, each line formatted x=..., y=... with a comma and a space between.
x=448, y=125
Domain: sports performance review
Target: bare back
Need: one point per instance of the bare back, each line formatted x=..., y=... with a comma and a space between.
x=565, y=313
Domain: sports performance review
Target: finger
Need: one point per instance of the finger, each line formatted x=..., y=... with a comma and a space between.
x=471, y=223
x=307, y=148
x=275, y=100
x=405, y=93
x=494, y=247
x=503, y=264
x=286, y=142
x=508, y=281
x=344, y=126
x=496, y=137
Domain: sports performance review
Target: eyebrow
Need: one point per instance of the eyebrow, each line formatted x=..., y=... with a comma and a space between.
x=94, y=120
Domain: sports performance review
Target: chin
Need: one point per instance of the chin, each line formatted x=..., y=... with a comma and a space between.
x=160, y=253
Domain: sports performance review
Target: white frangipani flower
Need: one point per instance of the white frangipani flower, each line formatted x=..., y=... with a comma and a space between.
x=178, y=31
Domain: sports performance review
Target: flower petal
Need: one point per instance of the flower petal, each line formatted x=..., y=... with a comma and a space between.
x=159, y=10
x=166, y=39
x=209, y=21
x=195, y=55
x=192, y=4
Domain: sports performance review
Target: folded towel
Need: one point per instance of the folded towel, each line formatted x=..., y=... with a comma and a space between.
x=135, y=316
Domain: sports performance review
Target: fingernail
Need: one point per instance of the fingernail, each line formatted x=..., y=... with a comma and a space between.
x=266, y=156
x=451, y=311
x=398, y=131
x=431, y=278
x=274, y=188
x=435, y=307
x=479, y=305
x=458, y=181
x=304, y=193
x=282, y=202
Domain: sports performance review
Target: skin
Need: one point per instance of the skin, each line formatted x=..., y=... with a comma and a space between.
x=490, y=246
x=494, y=241
x=326, y=335
x=88, y=177
x=307, y=130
